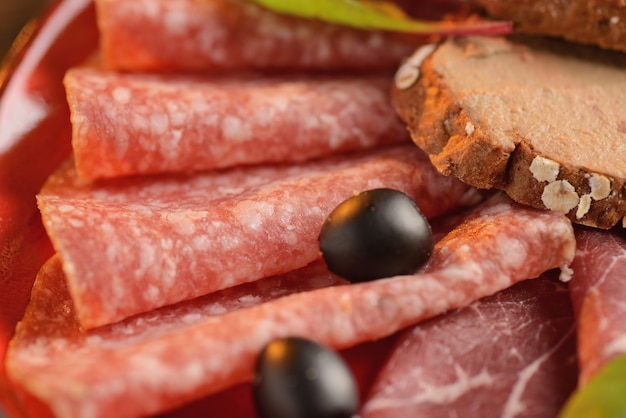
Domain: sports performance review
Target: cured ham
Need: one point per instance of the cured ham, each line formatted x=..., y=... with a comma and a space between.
x=136, y=244
x=597, y=290
x=508, y=355
x=163, y=359
x=164, y=35
x=183, y=123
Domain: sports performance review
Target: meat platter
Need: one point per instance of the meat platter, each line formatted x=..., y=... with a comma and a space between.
x=415, y=343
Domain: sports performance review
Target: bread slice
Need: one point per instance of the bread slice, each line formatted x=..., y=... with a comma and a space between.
x=597, y=22
x=543, y=120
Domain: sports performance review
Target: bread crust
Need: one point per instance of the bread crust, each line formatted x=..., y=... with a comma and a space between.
x=595, y=22
x=461, y=144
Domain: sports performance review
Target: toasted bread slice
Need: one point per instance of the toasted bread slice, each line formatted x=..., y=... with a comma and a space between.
x=543, y=120
x=596, y=22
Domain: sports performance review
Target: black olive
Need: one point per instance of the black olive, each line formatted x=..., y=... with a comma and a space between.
x=375, y=234
x=298, y=378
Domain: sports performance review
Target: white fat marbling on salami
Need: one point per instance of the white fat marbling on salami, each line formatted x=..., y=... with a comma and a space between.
x=126, y=124
x=122, y=95
x=597, y=291
x=183, y=236
x=230, y=34
x=484, y=359
x=219, y=351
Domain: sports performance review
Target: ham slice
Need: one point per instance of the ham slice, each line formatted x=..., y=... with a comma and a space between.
x=597, y=290
x=132, y=245
x=508, y=355
x=183, y=123
x=163, y=359
x=160, y=35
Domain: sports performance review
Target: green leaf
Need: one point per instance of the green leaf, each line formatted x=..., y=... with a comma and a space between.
x=378, y=15
x=603, y=397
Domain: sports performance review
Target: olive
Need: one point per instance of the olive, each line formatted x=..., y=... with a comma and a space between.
x=298, y=378
x=375, y=234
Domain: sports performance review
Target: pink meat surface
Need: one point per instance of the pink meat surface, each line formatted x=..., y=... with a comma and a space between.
x=132, y=245
x=50, y=330
x=126, y=124
x=508, y=355
x=598, y=289
x=158, y=360
x=231, y=34
x=364, y=360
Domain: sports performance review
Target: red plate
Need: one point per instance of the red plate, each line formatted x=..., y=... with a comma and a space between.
x=34, y=138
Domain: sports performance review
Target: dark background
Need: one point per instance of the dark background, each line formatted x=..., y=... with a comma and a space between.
x=13, y=15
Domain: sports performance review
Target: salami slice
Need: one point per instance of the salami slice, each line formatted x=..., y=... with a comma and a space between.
x=508, y=355
x=597, y=291
x=152, y=365
x=182, y=123
x=67, y=338
x=162, y=35
x=132, y=245
x=364, y=360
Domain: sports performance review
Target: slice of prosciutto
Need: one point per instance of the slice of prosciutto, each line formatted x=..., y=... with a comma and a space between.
x=162, y=359
x=135, y=244
x=508, y=355
x=598, y=288
x=125, y=124
x=165, y=35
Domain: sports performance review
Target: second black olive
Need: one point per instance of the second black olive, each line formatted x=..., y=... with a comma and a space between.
x=375, y=234
x=298, y=378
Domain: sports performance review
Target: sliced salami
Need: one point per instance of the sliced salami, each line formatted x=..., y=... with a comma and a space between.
x=508, y=355
x=183, y=123
x=598, y=289
x=160, y=35
x=364, y=361
x=52, y=318
x=132, y=245
x=153, y=365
